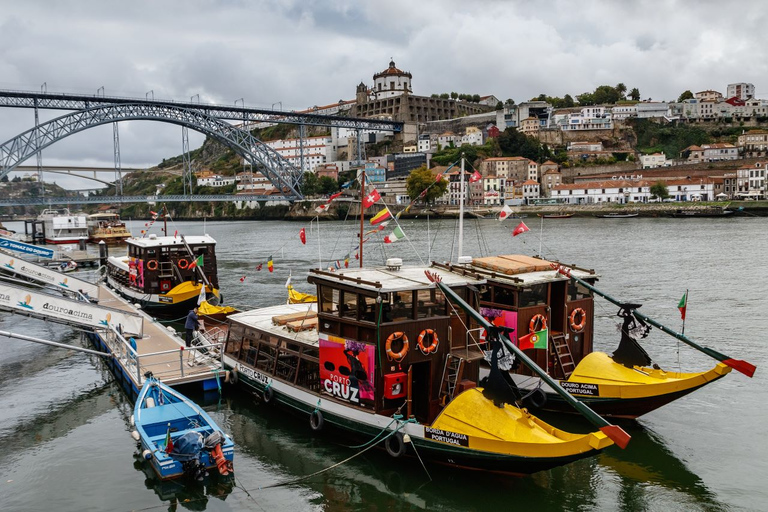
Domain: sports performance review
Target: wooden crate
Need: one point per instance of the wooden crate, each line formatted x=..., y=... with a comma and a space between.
x=284, y=319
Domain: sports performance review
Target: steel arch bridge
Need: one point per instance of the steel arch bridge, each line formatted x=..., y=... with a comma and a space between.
x=282, y=174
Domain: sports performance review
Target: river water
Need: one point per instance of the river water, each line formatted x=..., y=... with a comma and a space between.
x=64, y=423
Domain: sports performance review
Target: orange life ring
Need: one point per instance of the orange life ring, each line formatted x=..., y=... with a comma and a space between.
x=397, y=356
x=152, y=265
x=182, y=263
x=435, y=342
x=542, y=319
x=578, y=327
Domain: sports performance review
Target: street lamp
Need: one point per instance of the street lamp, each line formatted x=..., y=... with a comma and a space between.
x=152, y=93
x=44, y=88
x=102, y=91
x=277, y=103
x=192, y=98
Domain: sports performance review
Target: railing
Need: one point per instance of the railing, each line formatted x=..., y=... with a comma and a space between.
x=174, y=363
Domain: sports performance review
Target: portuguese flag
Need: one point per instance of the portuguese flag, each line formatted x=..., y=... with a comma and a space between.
x=536, y=339
x=683, y=304
x=196, y=263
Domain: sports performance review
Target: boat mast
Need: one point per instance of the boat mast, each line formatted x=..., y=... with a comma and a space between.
x=362, y=216
x=165, y=220
x=461, y=211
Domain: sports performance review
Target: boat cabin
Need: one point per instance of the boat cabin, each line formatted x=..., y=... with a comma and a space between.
x=156, y=264
x=528, y=295
x=382, y=340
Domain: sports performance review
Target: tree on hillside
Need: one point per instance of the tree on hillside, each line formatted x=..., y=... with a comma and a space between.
x=310, y=185
x=586, y=99
x=509, y=103
x=327, y=185
x=421, y=179
x=660, y=190
x=515, y=143
x=687, y=95
x=621, y=89
x=635, y=94
x=567, y=101
x=499, y=106
x=605, y=94
x=454, y=96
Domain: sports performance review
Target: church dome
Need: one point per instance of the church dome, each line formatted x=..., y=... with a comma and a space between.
x=392, y=70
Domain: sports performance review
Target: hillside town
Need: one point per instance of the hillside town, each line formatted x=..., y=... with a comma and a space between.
x=598, y=162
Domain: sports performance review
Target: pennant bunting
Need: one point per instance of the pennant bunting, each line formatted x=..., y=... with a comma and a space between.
x=521, y=228
x=505, y=212
x=242, y=279
x=396, y=235
x=175, y=233
x=346, y=262
x=321, y=208
x=381, y=217
x=334, y=196
x=258, y=267
x=270, y=265
x=438, y=177
x=303, y=236
x=371, y=198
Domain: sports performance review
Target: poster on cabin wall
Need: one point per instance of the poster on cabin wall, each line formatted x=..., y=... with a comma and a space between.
x=346, y=369
x=501, y=318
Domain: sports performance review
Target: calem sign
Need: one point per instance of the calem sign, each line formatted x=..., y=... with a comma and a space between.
x=344, y=369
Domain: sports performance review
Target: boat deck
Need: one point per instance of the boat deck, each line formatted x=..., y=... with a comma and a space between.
x=160, y=351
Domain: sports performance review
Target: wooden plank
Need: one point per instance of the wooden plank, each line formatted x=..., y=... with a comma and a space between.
x=536, y=263
x=502, y=265
x=292, y=317
x=303, y=325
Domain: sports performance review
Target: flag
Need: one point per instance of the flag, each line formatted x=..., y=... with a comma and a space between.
x=321, y=208
x=505, y=212
x=683, y=304
x=196, y=263
x=346, y=262
x=438, y=177
x=270, y=265
x=288, y=282
x=521, y=228
x=168, y=440
x=242, y=279
x=371, y=198
x=334, y=196
x=201, y=297
x=347, y=184
x=381, y=216
x=258, y=267
x=152, y=213
x=476, y=176
x=534, y=340
x=303, y=236
x=396, y=235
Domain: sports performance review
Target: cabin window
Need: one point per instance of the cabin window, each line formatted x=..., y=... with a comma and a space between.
x=266, y=358
x=368, y=309
x=234, y=340
x=504, y=296
x=329, y=300
x=349, y=305
x=533, y=296
x=576, y=291
x=402, y=307
x=486, y=295
x=426, y=304
x=287, y=364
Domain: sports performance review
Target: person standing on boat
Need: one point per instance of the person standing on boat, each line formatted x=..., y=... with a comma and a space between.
x=191, y=325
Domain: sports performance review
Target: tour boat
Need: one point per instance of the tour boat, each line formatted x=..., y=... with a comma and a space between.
x=165, y=274
x=556, y=215
x=527, y=295
x=62, y=227
x=617, y=215
x=688, y=213
x=177, y=436
x=382, y=356
x=107, y=227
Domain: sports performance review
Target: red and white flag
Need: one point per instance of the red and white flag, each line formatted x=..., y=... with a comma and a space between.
x=521, y=228
x=321, y=208
x=371, y=198
x=303, y=236
x=476, y=176
x=505, y=212
x=242, y=279
x=334, y=196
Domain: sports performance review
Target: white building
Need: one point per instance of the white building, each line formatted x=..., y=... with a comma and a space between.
x=424, y=144
x=391, y=82
x=652, y=109
x=215, y=180
x=315, y=151
x=624, y=111
x=493, y=192
x=585, y=146
x=742, y=90
x=632, y=191
x=473, y=137
x=710, y=153
x=653, y=161
x=447, y=138
x=751, y=181
x=589, y=118
x=531, y=190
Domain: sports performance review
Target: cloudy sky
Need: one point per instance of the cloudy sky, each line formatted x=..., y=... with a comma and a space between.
x=313, y=52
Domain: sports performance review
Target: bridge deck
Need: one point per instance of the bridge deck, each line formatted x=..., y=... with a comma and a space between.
x=177, y=367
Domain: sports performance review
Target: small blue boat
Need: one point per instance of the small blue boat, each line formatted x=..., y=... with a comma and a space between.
x=177, y=436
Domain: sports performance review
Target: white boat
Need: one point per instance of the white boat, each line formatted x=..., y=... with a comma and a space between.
x=107, y=227
x=62, y=227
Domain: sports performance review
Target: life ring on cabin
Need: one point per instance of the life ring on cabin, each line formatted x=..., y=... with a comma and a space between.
x=391, y=354
x=182, y=264
x=578, y=326
x=316, y=421
x=152, y=265
x=539, y=319
x=431, y=336
x=395, y=445
x=269, y=394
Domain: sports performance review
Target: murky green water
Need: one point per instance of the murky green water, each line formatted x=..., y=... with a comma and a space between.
x=64, y=422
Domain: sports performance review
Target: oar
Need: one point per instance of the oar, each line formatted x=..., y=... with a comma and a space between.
x=614, y=432
x=744, y=367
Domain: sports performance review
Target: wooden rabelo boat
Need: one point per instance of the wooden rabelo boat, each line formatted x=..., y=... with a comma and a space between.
x=164, y=274
x=383, y=357
x=107, y=227
x=177, y=436
x=529, y=294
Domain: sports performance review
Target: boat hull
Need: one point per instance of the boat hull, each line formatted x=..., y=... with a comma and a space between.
x=344, y=423
x=177, y=301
